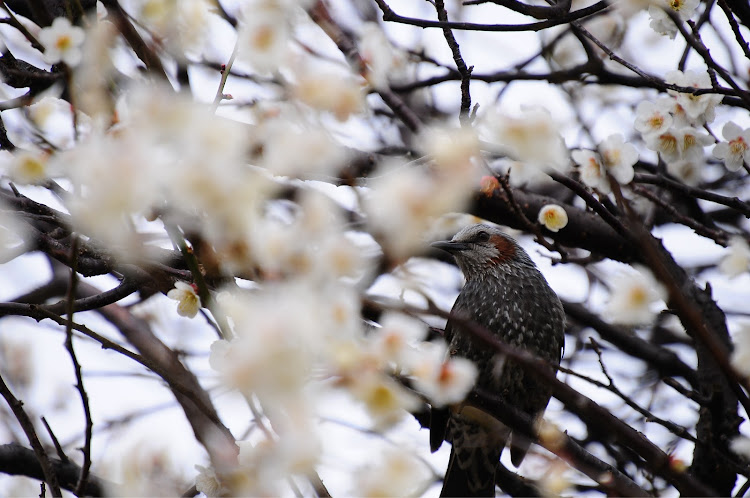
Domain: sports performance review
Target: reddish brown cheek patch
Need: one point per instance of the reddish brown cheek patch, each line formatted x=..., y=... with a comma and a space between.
x=505, y=249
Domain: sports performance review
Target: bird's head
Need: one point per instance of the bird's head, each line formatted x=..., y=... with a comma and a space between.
x=480, y=249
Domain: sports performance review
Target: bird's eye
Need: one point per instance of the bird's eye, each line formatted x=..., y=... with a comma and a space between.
x=482, y=236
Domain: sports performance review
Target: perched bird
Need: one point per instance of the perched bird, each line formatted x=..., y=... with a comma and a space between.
x=507, y=295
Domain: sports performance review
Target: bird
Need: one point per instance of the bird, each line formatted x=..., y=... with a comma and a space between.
x=507, y=295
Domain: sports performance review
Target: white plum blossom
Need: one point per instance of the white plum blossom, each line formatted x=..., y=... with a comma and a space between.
x=741, y=354
x=62, y=42
x=591, y=169
x=618, y=158
x=676, y=144
x=737, y=260
x=699, y=109
x=634, y=297
x=652, y=118
x=189, y=303
x=443, y=380
x=531, y=137
x=553, y=217
x=736, y=150
x=691, y=143
x=666, y=144
x=662, y=23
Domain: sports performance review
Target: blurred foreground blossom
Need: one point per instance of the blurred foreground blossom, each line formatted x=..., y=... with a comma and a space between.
x=634, y=296
x=741, y=355
x=338, y=94
x=26, y=167
x=398, y=473
x=207, y=482
x=442, y=379
x=189, y=303
x=741, y=446
x=553, y=217
x=406, y=199
x=267, y=464
x=62, y=42
x=530, y=137
x=12, y=235
x=737, y=260
x=264, y=34
x=397, y=337
x=383, y=62
x=182, y=25
x=736, y=150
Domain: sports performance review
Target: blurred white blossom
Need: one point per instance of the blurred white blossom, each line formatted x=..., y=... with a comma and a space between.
x=740, y=445
x=300, y=150
x=741, y=354
x=385, y=400
x=266, y=465
x=62, y=42
x=207, y=482
x=264, y=34
x=530, y=137
x=405, y=200
x=397, y=473
x=737, y=260
x=687, y=170
x=189, y=303
x=396, y=339
x=635, y=297
x=553, y=217
x=443, y=380
x=383, y=62
x=181, y=25
x=25, y=166
x=736, y=150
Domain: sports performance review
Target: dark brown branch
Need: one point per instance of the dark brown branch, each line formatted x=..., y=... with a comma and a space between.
x=27, y=425
x=390, y=16
x=17, y=460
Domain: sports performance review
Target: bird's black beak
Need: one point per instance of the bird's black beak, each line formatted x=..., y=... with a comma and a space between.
x=450, y=246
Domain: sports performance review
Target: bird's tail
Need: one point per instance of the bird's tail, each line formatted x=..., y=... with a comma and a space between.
x=471, y=472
